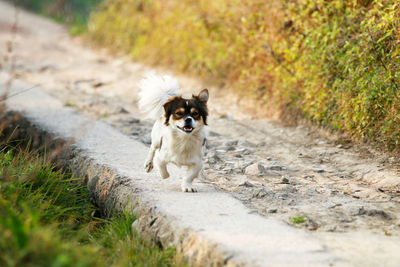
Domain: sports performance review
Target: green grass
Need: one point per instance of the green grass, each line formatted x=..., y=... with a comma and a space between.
x=75, y=13
x=298, y=219
x=46, y=220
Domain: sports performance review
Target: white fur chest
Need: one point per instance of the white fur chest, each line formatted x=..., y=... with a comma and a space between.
x=183, y=149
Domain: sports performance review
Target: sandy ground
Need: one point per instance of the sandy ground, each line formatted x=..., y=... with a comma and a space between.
x=279, y=172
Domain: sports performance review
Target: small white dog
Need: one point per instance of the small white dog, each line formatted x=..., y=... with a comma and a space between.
x=179, y=133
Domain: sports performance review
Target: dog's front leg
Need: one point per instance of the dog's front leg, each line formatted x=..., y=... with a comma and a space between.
x=148, y=165
x=193, y=172
x=156, y=143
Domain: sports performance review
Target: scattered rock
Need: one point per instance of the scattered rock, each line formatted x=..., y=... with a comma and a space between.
x=261, y=193
x=381, y=213
x=229, y=148
x=247, y=184
x=212, y=157
x=246, y=143
x=285, y=180
x=231, y=143
x=276, y=168
x=133, y=120
x=356, y=211
x=255, y=169
x=318, y=170
x=246, y=151
x=311, y=224
x=97, y=84
x=146, y=139
x=121, y=110
x=288, y=188
x=261, y=144
x=272, y=210
x=331, y=228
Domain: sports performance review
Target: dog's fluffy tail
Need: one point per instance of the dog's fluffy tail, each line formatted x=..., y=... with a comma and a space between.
x=155, y=92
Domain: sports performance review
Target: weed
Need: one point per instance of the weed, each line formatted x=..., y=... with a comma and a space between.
x=298, y=219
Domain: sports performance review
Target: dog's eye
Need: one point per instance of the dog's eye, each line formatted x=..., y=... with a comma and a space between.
x=179, y=113
x=195, y=114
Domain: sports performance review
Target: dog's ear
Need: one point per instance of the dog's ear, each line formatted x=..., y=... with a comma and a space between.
x=203, y=95
x=202, y=99
x=168, y=110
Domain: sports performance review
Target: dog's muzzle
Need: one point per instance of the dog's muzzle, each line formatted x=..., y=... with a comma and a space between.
x=187, y=128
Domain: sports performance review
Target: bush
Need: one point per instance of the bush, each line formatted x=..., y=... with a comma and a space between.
x=335, y=62
x=73, y=12
x=345, y=60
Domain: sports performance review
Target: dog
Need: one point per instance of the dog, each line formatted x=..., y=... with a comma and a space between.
x=180, y=129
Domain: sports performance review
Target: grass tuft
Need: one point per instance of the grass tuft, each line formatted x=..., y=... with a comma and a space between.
x=298, y=219
x=46, y=220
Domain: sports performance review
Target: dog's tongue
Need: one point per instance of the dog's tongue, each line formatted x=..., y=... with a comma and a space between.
x=188, y=128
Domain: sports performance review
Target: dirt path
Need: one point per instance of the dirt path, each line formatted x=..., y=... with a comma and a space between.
x=276, y=171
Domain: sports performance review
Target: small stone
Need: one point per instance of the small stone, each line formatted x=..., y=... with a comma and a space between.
x=288, y=188
x=146, y=139
x=331, y=228
x=311, y=224
x=261, y=144
x=246, y=151
x=276, y=168
x=255, y=169
x=381, y=213
x=133, y=120
x=246, y=143
x=261, y=193
x=318, y=170
x=231, y=143
x=230, y=148
x=246, y=184
x=213, y=157
x=285, y=180
x=272, y=210
x=355, y=211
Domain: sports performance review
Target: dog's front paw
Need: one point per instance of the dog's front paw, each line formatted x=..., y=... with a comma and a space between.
x=188, y=187
x=148, y=166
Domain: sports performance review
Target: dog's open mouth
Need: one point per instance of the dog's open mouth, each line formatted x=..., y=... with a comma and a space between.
x=186, y=129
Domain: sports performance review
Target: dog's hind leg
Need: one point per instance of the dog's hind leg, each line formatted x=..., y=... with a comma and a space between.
x=194, y=171
x=162, y=167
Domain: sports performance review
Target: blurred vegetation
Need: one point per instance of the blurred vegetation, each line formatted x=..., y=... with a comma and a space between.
x=73, y=12
x=46, y=219
x=334, y=62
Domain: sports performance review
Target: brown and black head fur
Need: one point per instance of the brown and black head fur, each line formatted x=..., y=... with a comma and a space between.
x=180, y=108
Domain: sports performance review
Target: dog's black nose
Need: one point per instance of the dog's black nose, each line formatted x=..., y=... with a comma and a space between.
x=188, y=120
